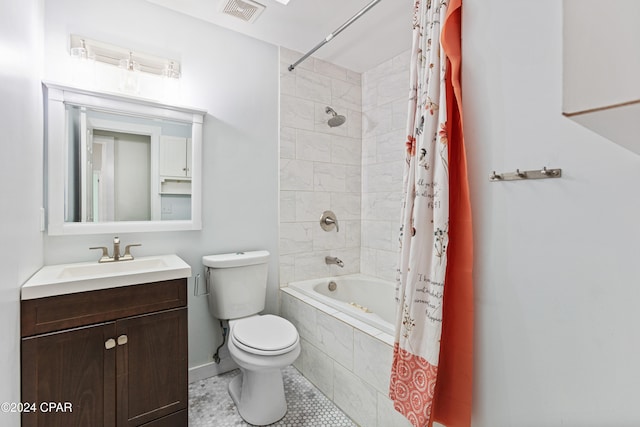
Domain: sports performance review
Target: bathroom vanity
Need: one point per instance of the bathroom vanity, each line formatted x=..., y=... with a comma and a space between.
x=111, y=353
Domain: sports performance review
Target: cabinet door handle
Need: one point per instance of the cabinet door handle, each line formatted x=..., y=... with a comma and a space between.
x=109, y=344
x=122, y=340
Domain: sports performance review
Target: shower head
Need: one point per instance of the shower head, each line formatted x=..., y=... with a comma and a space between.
x=336, y=119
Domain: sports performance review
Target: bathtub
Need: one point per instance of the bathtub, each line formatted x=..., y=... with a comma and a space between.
x=365, y=298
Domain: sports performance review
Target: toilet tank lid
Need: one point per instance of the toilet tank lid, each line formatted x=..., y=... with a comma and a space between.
x=235, y=259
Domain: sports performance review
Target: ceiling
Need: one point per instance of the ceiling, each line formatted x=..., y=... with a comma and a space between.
x=378, y=35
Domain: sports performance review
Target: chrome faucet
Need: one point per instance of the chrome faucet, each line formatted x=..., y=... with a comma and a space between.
x=334, y=260
x=116, y=252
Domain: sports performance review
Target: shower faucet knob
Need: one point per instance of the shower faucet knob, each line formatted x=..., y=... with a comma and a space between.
x=328, y=221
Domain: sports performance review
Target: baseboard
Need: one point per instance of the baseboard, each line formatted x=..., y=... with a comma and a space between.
x=211, y=369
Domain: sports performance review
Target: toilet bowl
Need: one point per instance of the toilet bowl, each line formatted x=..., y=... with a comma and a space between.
x=261, y=346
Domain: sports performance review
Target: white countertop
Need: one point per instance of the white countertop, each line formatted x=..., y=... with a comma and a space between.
x=52, y=280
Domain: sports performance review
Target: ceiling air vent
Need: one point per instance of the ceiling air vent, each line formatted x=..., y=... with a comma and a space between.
x=246, y=10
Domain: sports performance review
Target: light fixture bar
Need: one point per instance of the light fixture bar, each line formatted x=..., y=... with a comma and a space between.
x=111, y=54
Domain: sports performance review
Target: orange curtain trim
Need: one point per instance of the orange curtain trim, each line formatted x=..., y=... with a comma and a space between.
x=454, y=386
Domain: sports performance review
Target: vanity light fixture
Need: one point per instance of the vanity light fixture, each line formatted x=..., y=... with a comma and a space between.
x=82, y=47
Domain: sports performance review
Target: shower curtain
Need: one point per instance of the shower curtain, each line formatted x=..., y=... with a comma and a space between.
x=431, y=372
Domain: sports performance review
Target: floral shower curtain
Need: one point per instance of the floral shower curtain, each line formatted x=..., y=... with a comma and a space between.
x=432, y=359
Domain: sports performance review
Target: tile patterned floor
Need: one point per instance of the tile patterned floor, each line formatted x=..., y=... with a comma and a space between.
x=211, y=406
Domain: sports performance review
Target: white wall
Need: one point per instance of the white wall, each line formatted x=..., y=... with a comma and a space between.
x=234, y=78
x=556, y=267
x=20, y=178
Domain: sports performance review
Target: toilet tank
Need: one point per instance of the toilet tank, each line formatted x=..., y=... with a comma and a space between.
x=237, y=283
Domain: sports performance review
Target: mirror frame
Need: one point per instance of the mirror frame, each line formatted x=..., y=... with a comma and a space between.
x=56, y=144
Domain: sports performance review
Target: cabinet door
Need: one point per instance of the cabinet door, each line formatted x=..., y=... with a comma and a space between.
x=152, y=367
x=75, y=369
x=173, y=156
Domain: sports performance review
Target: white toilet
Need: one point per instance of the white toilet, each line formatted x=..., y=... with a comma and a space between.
x=260, y=344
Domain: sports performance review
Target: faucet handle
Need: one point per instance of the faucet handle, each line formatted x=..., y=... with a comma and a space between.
x=328, y=221
x=127, y=252
x=105, y=253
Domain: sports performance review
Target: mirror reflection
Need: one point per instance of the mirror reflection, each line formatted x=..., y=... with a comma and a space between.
x=123, y=167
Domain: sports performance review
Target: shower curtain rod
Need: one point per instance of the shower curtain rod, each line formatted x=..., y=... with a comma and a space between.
x=335, y=33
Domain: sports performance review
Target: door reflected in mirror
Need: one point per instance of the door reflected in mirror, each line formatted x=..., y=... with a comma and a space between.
x=126, y=168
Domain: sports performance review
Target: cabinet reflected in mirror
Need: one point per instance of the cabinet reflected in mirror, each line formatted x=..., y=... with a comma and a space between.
x=118, y=163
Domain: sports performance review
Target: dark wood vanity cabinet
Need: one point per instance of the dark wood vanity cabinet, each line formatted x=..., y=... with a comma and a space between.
x=112, y=357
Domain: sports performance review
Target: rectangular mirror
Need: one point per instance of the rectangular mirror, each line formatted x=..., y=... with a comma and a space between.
x=118, y=164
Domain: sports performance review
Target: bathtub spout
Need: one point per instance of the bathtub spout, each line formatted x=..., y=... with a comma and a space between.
x=334, y=260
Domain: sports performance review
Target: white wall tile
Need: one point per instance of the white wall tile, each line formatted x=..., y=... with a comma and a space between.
x=367, y=259
x=353, y=77
x=327, y=240
x=301, y=315
x=355, y=397
x=309, y=205
x=286, y=265
x=296, y=175
x=295, y=237
x=393, y=86
x=391, y=147
x=372, y=360
x=346, y=205
x=335, y=338
x=345, y=150
x=346, y=95
x=313, y=86
x=329, y=177
x=381, y=71
x=296, y=112
x=317, y=366
x=313, y=146
x=287, y=143
x=383, y=177
x=353, y=178
x=377, y=121
x=377, y=235
x=352, y=233
x=399, y=114
x=287, y=80
x=287, y=206
x=369, y=151
x=369, y=95
x=330, y=70
x=386, y=263
x=401, y=62
x=354, y=124
x=310, y=265
x=382, y=206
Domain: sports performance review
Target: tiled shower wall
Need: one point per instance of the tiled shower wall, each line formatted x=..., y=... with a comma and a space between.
x=385, y=90
x=319, y=168
x=354, y=170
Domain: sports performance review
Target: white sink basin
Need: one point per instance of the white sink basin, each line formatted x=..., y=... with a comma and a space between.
x=62, y=279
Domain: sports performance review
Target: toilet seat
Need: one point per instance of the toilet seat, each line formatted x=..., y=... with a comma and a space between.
x=266, y=335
